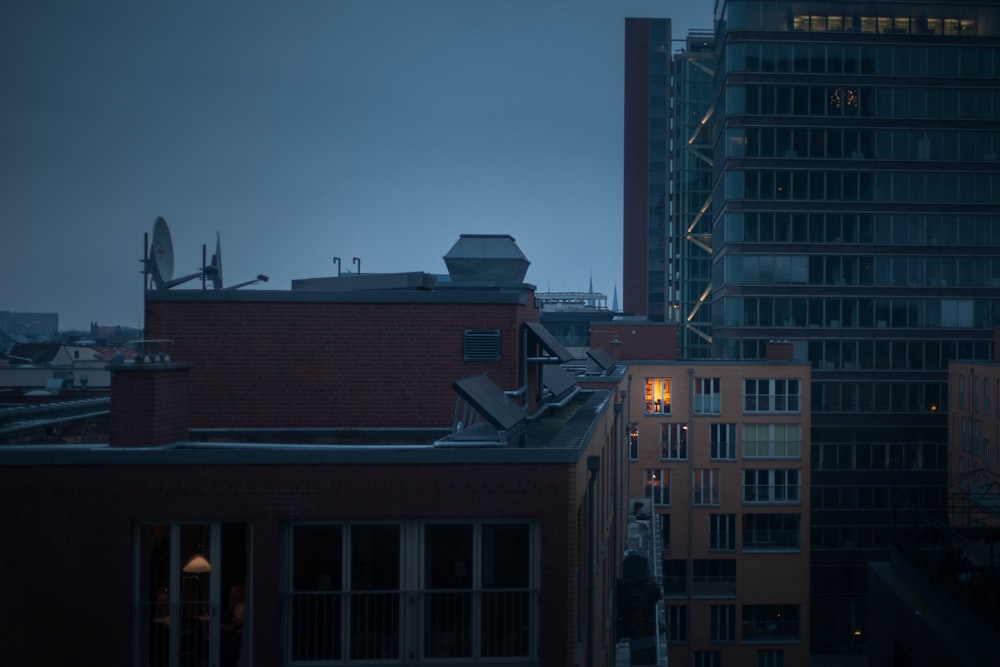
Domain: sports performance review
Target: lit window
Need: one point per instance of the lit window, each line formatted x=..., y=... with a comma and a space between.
x=192, y=598
x=657, y=396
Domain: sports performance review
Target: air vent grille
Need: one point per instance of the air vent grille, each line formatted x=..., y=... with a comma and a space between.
x=482, y=345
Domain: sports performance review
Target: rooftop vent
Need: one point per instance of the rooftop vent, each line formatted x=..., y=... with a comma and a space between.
x=486, y=258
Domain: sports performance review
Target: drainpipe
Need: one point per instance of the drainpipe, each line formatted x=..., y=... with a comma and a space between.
x=593, y=467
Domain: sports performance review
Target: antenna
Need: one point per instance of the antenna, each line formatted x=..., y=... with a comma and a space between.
x=214, y=270
x=159, y=262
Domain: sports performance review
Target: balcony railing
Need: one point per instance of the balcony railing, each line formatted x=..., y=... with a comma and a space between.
x=357, y=626
x=714, y=586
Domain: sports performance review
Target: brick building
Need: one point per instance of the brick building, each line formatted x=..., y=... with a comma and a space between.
x=380, y=469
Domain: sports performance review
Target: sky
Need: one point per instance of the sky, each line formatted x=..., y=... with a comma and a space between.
x=306, y=129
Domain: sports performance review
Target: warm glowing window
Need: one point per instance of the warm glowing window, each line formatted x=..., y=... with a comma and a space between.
x=657, y=396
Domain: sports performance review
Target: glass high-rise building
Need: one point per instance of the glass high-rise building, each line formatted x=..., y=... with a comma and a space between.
x=856, y=212
x=647, y=80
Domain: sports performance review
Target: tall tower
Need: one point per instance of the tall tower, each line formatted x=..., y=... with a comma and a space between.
x=855, y=213
x=647, y=63
x=689, y=220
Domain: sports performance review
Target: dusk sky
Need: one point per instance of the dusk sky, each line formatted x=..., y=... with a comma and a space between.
x=303, y=130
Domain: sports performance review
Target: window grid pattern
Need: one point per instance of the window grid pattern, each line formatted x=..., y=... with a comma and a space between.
x=771, y=532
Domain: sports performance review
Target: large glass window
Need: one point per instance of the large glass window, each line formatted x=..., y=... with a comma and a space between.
x=772, y=441
x=469, y=586
x=771, y=395
x=771, y=532
x=192, y=597
x=770, y=486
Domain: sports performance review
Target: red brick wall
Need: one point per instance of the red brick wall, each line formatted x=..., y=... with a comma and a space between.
x=630, y=341
x=151, y=405
x=281, y=364
x=67, y=553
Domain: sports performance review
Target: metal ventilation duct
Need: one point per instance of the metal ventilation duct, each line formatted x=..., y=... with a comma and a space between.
x=486, y=258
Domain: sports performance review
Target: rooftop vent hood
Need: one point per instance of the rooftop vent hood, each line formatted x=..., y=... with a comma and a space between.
x=486, y=258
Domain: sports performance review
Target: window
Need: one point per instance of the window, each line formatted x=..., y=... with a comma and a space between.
x=713, y=578
x=658, y=486
x=382, y=591
x=771, y=395
x=772, y=441
x=705, y=486
x=722, y=532
x=961, y=392
x=657, y=396
x=675, y=577
x=707, y=396
x=770, y=622
x=707, y=659
x=192, y=596
x=676, y=618
x=770, y=486
x=772, y=657
x=664, y=533
x=723, y=441
x=673, y=442
x=723, y=623
x=633, y=443
x=482, y=345
x=771, y=532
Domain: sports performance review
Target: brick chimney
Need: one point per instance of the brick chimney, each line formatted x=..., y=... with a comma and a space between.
x=779, y=350
x=150, y=404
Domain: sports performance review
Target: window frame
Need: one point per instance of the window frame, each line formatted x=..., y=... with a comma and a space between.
x=774, y=397
x=658, y=396
x=775, y=489
x=707, y=396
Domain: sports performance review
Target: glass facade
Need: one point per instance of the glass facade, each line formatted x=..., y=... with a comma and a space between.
x=854, y=212
x=689, y=234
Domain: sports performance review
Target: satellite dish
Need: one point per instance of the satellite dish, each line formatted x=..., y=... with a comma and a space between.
x=161, y=254
x=214, y=270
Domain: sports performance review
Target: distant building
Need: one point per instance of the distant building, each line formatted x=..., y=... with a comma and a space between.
x=29, y=326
